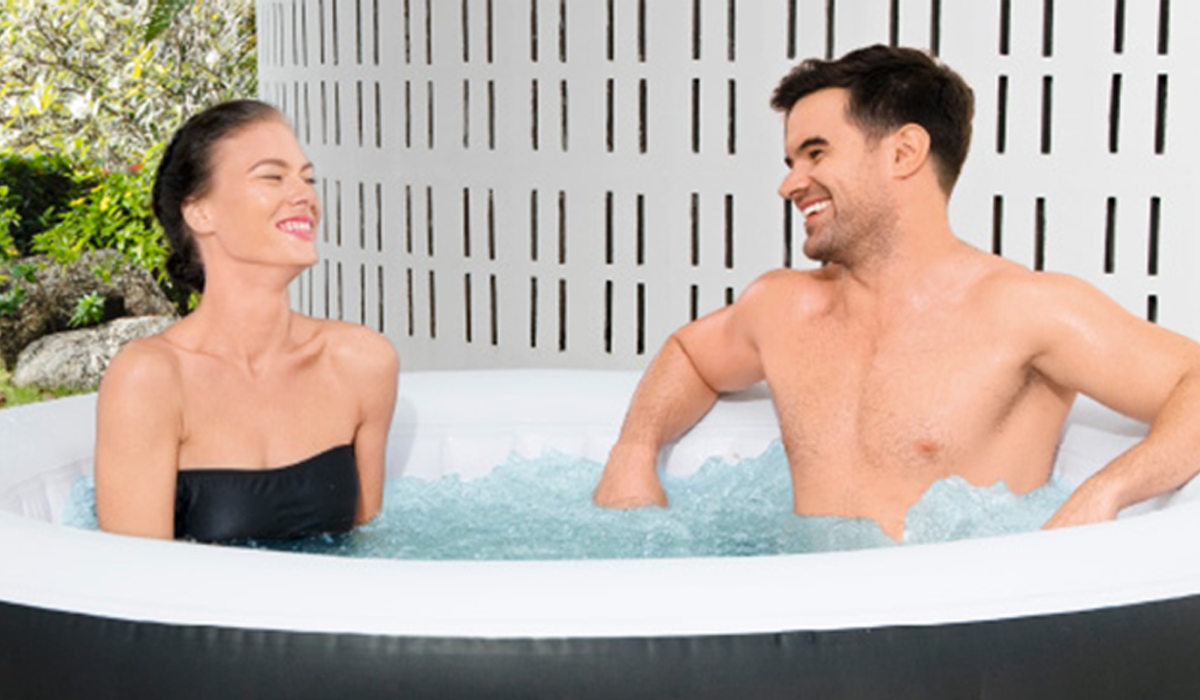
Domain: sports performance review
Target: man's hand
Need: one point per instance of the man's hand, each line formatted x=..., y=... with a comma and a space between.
x=1090, y=503
x=630, y=480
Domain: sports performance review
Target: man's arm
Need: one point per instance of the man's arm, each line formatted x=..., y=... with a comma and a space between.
x=710, y=356
x=1092, y=345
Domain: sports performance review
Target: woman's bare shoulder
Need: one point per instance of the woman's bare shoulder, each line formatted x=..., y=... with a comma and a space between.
x=355, y=347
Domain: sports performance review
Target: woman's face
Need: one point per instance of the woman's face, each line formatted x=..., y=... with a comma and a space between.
x=261, y=207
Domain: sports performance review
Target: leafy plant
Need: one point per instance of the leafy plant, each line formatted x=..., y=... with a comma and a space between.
x=10, y=301
x=89, y=310
x=8, y=217
x=81, y=78
x=116, y=214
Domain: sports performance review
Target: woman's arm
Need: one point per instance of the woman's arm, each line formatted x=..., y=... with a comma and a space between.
x=370, y=363
x=138, y=432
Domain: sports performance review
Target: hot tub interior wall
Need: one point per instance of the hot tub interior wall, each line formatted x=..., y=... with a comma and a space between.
x=561, y=183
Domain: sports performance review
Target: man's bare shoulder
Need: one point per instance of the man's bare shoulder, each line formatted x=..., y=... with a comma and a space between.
x=808, y=292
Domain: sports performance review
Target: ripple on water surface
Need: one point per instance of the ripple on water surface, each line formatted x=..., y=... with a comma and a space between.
x=541, y=508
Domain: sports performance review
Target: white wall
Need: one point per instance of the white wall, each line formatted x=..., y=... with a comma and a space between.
x=564, y=182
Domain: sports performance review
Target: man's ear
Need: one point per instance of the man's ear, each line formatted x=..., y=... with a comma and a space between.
x=197, y=217
x=910, y=150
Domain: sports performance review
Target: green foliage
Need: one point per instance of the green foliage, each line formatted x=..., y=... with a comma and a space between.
x=89, y=310
x=10, y=301
x=8, y=218
x=162, y=16
x=116, y=214
x=12, y=290
x=80, y=79
x=36, y=189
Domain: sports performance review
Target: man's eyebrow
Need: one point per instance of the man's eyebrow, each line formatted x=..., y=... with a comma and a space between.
x=812, y=141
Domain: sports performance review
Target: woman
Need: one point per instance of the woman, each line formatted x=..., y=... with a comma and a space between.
x=244, y=420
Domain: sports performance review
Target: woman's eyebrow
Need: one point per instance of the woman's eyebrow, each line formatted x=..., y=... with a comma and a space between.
x=278, y=162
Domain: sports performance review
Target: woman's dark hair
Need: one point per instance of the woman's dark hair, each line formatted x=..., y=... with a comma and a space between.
x=890, y=87
x=185, y=172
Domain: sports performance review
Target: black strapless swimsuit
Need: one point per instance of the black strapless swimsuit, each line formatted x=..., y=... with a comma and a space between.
x=314, y=496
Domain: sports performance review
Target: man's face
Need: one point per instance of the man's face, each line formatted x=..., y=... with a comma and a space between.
x=836, y=179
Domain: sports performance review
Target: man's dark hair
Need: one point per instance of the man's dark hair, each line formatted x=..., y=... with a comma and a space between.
x=890, y=87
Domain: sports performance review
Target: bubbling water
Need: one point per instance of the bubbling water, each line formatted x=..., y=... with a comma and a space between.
x=540, y=508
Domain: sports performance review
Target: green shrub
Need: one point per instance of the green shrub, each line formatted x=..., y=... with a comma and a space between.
x=37, y=189
x=115, y=213
x=89, y=310
x=8, y=218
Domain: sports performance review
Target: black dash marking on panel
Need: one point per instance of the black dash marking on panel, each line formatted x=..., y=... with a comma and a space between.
x=562, y=227
x=893, y=23
x=1002, y=114
x=362, y=216
x=341, y=295
x=1039, y=248
x=1110, y=235
x=491, y=224
x=641, y=229
x=1119, y=27
x=791, y=29
x=1152, y=247
x=334, y=32
x=433, y=307
x=608, y=228
x=611, y=116
x=491, y=38
x=533, y=311
x=562, y=315
x=337, y=114
x=1005, y=27
x=643, y=116
x=695, y=302
x=641, y=31
x=362, y=295
x=1164, y=27
x=466, y=33
x=787, y=234
x=467, y=308
x=533, y=105
x=307, y=116
x=378, y=217
x=641, y=318
x=695, y=220
x=321, y=30
x=1047, y=109
x=729, y=296
x=408, y=279
x=1047, y=28
x=408, y=219
x=337, y=211
x=533, y=225
x=378, y=116
x=1114, y=114
x=358, y=34
x=429, y=221
x=695, y=115
x=562, y=31
x=429, y=114
x=358, y=98
x=731, y=137
x=466, y=113
x=729, y=231
x=562, y=102
x=380, y=310
x=533, y=30
x=466, y=221
x=375, y=36
x=935, y=27
x=998, y=224
x=1160, y=116
x=325, y=219
x=295, y=36
x=608, y=316
x=830, y=27
x=407, y=34
x=731, y=31
x=429, y=32
x=491, y=114
x=304, y=36
x=1152, y=308
x=326, y=288
x=696, y=30
x=493, y=304
x=611, y=30
x=408, y=118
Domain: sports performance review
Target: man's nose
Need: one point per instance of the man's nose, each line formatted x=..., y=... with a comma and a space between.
x=794, y=183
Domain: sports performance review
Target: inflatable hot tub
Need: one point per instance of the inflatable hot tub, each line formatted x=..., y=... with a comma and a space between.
x=1105, y=611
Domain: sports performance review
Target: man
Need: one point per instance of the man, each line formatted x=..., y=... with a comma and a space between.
x=910, y=356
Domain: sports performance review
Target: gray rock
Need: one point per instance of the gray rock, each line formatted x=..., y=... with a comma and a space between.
x=77, y=359
x=50, y=298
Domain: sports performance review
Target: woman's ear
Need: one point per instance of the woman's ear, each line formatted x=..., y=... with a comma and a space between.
x=197, y=217
x=910, y=150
